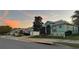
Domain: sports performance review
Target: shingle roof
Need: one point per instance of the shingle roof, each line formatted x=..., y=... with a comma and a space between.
x=59, y=22
x=51, y=22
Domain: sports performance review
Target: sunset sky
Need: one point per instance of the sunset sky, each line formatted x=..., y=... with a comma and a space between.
x=24, y=18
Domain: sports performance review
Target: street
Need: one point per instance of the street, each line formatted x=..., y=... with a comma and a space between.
x=16, y=44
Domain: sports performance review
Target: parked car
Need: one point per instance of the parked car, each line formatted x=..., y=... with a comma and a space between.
x=26, y=31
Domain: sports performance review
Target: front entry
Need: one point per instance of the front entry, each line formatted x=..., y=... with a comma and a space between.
x=67, y=33
x=48, y=30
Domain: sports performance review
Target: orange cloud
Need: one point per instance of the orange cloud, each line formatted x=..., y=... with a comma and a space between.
x=25, y=24
x=12, y=23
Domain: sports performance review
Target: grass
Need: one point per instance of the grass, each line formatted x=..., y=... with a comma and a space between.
x=75, y=46
x=72, y=37
x=44, y=36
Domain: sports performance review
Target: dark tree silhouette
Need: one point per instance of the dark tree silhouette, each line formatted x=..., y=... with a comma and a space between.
x=37, y=24
x=5, y=29
x=75, y=18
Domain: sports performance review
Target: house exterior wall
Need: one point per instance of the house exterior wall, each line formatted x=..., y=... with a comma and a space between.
x=75, y=30
x=60, y=30
x=57, y=31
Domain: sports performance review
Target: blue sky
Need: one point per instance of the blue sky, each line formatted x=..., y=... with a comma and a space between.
x=26, y=17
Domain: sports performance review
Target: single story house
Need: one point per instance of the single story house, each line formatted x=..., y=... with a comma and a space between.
x=15, y=32
x=60, y=28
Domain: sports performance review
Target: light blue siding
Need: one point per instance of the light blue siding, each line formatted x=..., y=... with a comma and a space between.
x=60, y=31
x=60, y=28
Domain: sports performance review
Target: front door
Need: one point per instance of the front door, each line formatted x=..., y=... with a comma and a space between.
x=48, y=30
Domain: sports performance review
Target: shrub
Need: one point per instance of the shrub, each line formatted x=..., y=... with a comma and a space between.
x=5, y=29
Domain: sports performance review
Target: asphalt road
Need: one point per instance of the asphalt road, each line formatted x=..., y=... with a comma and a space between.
x=15, y=44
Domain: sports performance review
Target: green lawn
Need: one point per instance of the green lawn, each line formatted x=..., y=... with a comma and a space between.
x=46, y=37
x=72, y=37
x=75, y=46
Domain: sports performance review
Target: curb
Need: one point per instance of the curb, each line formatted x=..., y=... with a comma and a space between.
x=44, y=43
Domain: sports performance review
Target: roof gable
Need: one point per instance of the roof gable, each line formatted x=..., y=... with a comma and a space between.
x=60, y=22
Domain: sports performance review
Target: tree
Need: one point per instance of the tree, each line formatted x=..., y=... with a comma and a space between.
x=75, y=18
x=37, y=24
x=5, y=29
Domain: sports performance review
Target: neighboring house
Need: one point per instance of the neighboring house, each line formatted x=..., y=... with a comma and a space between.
x=60, y=28
x=15, y=32
x=20, y=31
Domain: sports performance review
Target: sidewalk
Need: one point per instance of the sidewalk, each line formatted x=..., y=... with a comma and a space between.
x=51, y=41
x=40, y=40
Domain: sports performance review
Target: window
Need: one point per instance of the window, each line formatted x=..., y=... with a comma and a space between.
x=54, y=29
x=60, y=26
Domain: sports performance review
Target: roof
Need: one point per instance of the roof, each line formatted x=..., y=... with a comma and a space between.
x=60, y=22
x=50, y=22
